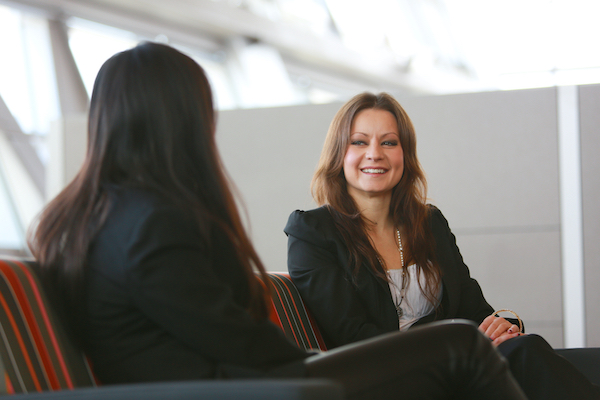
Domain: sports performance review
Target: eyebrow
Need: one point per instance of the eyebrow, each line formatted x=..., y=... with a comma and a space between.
x=383, y=135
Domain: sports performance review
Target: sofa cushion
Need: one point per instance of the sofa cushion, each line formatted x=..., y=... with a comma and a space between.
x=36, y=353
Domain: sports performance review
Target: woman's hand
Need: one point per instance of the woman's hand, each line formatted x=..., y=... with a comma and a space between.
x=498, y=329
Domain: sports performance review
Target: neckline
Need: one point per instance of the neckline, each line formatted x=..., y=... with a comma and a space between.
x=412, y=266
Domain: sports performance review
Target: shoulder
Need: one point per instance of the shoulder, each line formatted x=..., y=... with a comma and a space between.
x=140, y=225
x=144, y=215
x=436, y=218
x=133, y=198
x=136, y=204
x=316, y=215
x=316, y=224
x=440, y=228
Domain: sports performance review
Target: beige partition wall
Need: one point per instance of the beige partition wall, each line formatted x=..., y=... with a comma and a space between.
x=271, y=154
x=589, y=111
x=492, y=164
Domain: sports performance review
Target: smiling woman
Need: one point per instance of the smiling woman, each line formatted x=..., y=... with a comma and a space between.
x=376, y=258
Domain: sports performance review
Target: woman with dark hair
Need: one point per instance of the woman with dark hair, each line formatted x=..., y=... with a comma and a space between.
x=376, y=258
x=152, y=269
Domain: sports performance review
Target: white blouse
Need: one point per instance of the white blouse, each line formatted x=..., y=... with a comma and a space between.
x=414, y=305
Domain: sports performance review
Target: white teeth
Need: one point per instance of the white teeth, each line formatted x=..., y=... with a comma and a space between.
x=373, y=170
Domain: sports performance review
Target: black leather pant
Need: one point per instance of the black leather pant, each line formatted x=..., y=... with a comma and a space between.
x=542, y=373
x=446, y=360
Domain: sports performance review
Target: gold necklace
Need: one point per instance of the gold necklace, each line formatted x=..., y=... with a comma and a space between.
x=397, y=305
x=399, y=310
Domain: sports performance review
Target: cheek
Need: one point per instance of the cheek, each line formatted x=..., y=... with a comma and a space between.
x=349, y=165
x=351, y=159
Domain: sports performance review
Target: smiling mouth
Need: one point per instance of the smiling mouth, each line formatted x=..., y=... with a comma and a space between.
x=374, y=170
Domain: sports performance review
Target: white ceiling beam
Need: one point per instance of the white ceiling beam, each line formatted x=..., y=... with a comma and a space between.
x=72, y=94
x=217, y=22
x=21, y=144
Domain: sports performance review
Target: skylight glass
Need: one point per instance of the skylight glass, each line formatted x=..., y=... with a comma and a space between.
x=26, y=74
x=92, y=44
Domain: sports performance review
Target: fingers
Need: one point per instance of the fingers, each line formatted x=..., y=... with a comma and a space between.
x=494, y=327
x=486, y=323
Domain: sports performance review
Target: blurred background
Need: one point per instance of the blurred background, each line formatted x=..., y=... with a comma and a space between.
x=264, y=53
x=504, y=96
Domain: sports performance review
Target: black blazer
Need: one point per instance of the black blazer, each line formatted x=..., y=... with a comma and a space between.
x=165, y=304
x=347, y=312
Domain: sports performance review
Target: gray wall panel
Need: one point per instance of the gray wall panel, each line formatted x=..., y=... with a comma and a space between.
x=521, y=272
x=491, y=158
x=589, y=110
x=492, y=166
x=271, y=154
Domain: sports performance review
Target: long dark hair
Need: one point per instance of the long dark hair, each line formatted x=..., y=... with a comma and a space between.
x=152, y=125
x=408, y=206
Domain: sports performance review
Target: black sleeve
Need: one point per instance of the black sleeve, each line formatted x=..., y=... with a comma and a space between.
x=315, y=266
x=173, y=282
x=465, y=292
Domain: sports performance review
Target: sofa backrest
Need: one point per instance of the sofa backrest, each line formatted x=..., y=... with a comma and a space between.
x=36, y=353
x=290, y=314
x=38, y=356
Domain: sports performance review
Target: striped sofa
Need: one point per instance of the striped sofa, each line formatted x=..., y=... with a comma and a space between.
x=289, y=313
x=37, y=357
x=35, y=353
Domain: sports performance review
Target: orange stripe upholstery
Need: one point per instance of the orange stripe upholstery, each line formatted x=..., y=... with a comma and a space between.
x=38, y=356
x=291, y=314
x=35, y=351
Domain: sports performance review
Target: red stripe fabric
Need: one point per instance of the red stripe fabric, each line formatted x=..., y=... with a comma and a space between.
x=287, y=287
x=287, y=316
x=294, y=319
x=49, y=328
x=38, y=355
x=297, y=322
x=8, y=383
x=40, y=350
x=19, y=338
x=273, y=315
x=33, y=325
x=313, y=324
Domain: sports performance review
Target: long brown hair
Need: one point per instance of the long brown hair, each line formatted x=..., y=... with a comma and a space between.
x=151, y=124
x=408, y=206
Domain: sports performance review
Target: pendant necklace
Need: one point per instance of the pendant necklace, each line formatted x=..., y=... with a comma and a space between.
x=399, y=310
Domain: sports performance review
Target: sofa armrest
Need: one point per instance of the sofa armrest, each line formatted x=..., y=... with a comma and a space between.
x=294, y=389
x=587, y=360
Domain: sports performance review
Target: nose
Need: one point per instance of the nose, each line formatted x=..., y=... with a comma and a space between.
x=374, y=152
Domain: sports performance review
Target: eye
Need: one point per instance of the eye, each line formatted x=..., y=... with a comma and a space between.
x=390, y=143
x=358, y=143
